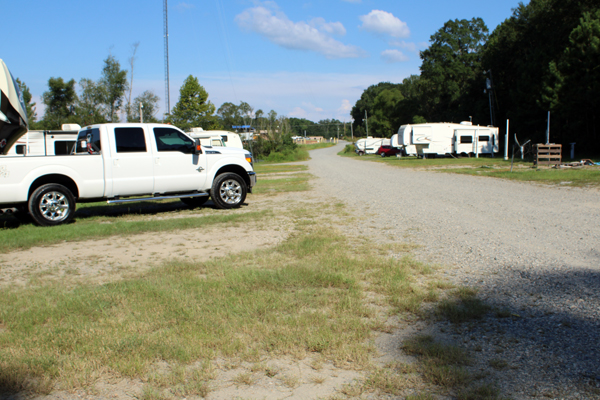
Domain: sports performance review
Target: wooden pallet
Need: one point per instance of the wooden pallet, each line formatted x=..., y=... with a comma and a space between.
x=548, y=154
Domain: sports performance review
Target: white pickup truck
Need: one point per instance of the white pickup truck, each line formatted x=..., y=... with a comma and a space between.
x=113, y=162
x=123, y=162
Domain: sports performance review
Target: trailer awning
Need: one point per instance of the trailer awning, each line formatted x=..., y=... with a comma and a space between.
x=13, y=117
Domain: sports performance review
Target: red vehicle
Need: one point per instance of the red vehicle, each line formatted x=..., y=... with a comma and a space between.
x=386, y=151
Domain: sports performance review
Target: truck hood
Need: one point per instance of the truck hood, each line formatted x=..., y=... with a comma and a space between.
x=13, y=117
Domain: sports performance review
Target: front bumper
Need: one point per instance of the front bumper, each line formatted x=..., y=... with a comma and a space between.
x=252, y=176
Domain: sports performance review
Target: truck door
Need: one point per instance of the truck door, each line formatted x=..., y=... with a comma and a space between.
x=132, y=166
x=176, y=167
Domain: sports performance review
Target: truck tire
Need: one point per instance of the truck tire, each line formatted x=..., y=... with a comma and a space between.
x=51, y=204
x=228, y=191
x=194, y=201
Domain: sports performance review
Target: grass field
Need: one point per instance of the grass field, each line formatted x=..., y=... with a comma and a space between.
x=588, y=176
x=318, y=293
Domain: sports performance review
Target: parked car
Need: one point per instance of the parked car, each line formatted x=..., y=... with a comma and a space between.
x=387, y=151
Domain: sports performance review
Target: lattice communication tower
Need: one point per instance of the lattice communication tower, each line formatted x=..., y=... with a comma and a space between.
x=167, y=98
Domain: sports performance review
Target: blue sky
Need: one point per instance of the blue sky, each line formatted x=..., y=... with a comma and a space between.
x=305, y=59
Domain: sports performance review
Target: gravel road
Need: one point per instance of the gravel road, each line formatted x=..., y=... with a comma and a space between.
x=532, y=250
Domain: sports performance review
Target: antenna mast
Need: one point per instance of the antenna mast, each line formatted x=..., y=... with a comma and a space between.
x=167, y=99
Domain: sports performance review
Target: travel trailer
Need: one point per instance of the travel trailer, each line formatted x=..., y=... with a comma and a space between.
x=227, y=139
x=439, y=139
x=46, y=143
x=370, y=145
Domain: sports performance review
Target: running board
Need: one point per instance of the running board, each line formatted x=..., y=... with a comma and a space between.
x=157, y=198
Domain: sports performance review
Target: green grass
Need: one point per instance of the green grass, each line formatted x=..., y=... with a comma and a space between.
x=584, y=177
x=298, y=154
x=463, y=305
x=291, y=183
x=495, y=167
x=301, y=297
x=278, y=168
x=315, y=146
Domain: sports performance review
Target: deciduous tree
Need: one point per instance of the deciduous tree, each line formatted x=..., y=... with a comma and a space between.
x=193, y=108
x=114, y=85
x=60, y=101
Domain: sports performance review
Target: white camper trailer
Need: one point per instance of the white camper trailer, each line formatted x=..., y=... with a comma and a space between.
x=46, y=143
x=226, y=138
x=446, y=138
x=369, y=145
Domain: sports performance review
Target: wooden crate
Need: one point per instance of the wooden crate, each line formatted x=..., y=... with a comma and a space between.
x=547, y=154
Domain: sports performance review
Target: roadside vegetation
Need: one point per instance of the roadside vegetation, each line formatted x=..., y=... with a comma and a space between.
x=320, y=294
x=496, y=167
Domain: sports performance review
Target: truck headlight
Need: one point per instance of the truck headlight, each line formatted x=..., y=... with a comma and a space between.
x=249, y=159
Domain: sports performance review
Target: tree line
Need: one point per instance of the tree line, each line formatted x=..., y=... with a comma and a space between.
x=109, y=100
x=545, y=57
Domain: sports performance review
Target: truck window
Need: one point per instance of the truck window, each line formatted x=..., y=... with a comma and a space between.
x=88, y=142
x=169, y=139
x=62, y=147
x=130, y=140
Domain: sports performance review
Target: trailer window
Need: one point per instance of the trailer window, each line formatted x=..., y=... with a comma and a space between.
x=484, y=138
x=169, y=139
x=130, y=140
x=466, y=139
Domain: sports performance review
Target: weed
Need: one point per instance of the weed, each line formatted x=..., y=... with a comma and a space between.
x=245, y=378
x=290, y=381
x=484, y=392
x=463, y=306
x=498, y=364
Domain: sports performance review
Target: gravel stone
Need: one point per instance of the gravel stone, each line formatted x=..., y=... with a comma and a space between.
x=532, y=250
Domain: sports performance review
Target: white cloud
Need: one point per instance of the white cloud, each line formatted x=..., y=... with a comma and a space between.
x=298, y=112
x=393, y=56
x=333, y=28
x=383, y=22
x=345, y=108
x=312, y=36
x=408, y=46
x=183, y=6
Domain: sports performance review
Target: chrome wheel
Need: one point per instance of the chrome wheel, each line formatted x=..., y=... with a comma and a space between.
x=230, y=191
x=54, y=206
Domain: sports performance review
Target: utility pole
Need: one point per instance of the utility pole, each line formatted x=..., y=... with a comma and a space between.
x=166, y=25
x=141, y=113
x=367, y=123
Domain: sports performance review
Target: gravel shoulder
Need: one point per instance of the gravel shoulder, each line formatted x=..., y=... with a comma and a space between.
x=531, y=250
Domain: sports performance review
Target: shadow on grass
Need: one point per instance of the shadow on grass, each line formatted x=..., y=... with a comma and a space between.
x=85, y=211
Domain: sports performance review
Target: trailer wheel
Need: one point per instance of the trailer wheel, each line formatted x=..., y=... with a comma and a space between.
x=228, y=191
x=361, y=153
x=194, y=201
x=51, y=204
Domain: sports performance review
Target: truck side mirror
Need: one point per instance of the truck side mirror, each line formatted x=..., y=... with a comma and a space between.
x=197, y=146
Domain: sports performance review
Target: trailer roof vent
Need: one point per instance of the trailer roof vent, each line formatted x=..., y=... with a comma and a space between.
x=466, y=123
x=70, y=127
